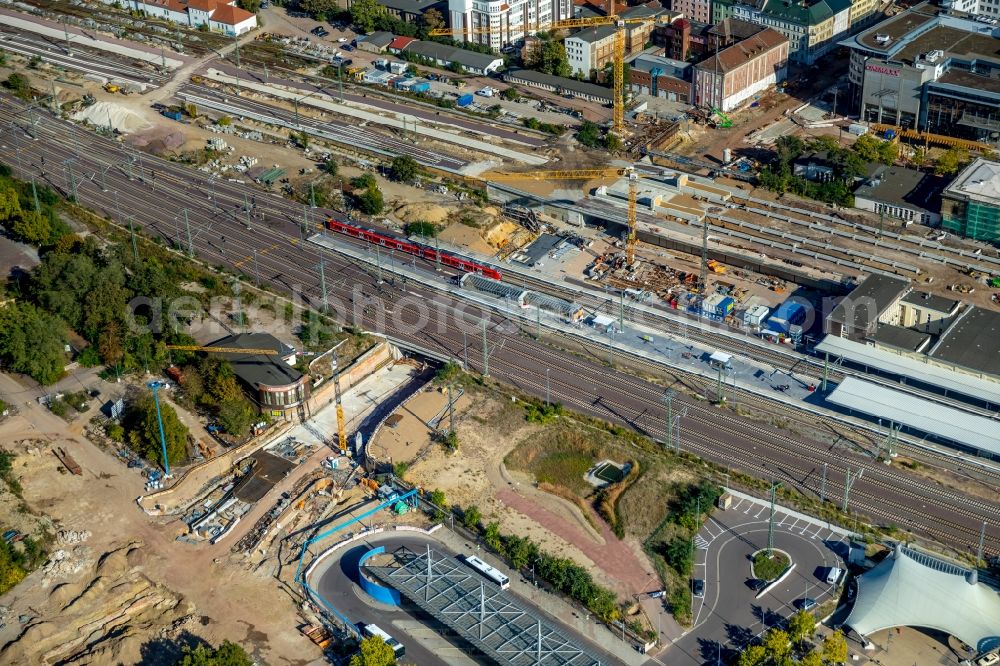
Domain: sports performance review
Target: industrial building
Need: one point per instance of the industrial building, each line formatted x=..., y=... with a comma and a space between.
x=410, y=11
x=561, y=85
x=447, y=56
x=271, y=382
x=733, y=76
x=928, y=70
x=662, y=77
x=970, y=206
x=903, y=196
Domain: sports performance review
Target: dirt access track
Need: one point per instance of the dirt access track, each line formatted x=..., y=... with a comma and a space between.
x=129, y=591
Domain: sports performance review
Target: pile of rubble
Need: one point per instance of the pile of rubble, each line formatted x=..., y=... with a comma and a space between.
x=72, y=537
x=253, y=135
x=63, y=563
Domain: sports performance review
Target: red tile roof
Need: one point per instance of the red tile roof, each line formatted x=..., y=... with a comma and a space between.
x=203, y=5
x=172, y=5
x=230, y=15
x=401, y=42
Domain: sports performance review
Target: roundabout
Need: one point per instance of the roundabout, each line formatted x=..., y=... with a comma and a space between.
x=736, y=607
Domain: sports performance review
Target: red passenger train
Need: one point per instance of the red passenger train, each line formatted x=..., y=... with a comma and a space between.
x=422, y=251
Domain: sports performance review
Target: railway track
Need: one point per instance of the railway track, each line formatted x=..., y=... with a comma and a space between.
x=516, y=359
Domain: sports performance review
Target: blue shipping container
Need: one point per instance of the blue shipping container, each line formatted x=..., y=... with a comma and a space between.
x=421, y=87
x=465, y=100
x=173, y=115
x=724, y=307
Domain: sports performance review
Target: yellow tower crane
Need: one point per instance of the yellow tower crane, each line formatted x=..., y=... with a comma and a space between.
x=618, y=66
x=582, y=174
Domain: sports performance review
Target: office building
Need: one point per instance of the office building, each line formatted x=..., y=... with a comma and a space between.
x=931, y=71
x=970, y=206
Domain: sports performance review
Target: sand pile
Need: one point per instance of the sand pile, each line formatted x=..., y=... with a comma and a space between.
x=421, y=212
x=120, y=118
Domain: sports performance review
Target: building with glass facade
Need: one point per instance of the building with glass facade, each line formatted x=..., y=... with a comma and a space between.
x=970, y=206
x=929, y=70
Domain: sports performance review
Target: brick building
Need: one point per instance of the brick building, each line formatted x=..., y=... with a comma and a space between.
x=725, y=81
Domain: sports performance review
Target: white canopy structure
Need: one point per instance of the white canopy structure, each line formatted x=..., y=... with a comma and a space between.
x=913, y=589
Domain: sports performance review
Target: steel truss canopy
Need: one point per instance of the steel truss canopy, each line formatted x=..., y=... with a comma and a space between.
x=489, y=619
x=947, y=423
x=911, y=368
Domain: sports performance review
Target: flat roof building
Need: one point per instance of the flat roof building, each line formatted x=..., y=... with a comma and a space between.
x=873, y=301
x=588, y=91
x=928, y=70
x=902, y=194
x=444, y=56
x=971, y=344
x=970, y=206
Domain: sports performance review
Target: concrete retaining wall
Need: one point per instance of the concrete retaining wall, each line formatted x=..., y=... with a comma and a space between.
x=372, y=360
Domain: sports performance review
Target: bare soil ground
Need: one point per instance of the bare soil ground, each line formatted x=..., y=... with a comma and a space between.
x=127, y=593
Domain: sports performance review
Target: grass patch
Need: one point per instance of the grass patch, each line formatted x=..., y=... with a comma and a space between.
x=769, y=568
x=559, y=455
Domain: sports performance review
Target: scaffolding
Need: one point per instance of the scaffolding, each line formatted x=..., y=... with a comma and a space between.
x=479, y=612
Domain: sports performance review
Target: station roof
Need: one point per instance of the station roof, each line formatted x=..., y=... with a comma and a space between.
x=492, y=620
x=948, y=423
x=905, y=366
x=876, y=294
x=972, y=341
x=913, y=589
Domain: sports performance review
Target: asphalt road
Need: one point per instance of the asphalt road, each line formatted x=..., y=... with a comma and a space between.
x=417, y=315
x=730, y=616
x=337, y=583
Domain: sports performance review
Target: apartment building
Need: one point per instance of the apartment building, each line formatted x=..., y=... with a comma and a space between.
x=592, y=49
x=502, y=24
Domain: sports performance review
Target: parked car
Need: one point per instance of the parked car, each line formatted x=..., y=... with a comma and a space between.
x=348, y=47
x=698, y=587
x=805, y=604
x=342, y=40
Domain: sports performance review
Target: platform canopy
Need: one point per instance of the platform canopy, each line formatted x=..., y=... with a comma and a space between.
x=945, y=423
x=911, y=368
x=910, y=588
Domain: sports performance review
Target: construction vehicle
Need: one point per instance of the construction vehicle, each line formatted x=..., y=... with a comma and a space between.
x=724, y=122
x=715, y=266
x=111, y=88
x=618, y=100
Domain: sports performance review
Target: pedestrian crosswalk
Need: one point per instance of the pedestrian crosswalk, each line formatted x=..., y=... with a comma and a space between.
x=700, y=542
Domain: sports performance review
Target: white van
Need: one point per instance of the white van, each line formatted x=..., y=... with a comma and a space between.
x=834, y=575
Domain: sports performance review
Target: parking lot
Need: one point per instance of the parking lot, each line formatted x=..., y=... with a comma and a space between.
x=730, y=615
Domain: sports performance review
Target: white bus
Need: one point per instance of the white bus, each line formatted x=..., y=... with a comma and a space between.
x=488, y=571
x=370, y=630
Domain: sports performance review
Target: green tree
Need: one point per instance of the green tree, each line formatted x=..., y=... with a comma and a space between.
x=678, y=555
x=421, y=228
x=374, y=652
x=491, y=535
x=330, y=168
x=11, y=572
x=227, y=654
x=438, y=499
x=612, y=142
x=365, y=181
x=801, y=626
x=755, y=655
x=31, y=342
x=777, y=645
x=789, y=148
x=589, y=134
x=237, y=416
x=510, y=94
x=471, y=517
x=371, y=201
x=10, y=205
x=835, y=648
x=432, y=19
x=252, y=6
x=19, y=85
x=867, y=147
x=404, y=169
x=951, y=161
x=144, y=430
x=365, y=14
x=550, y=58
x=811, y=658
